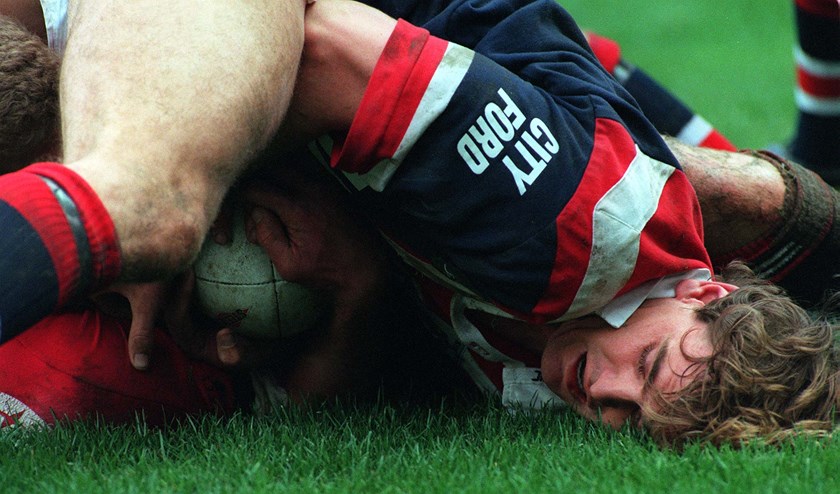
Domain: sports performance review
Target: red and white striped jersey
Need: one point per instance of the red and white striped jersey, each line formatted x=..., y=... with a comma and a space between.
x=517, y=177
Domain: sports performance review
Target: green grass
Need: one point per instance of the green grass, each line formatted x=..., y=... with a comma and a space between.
x=386, y=449
x=731, y=60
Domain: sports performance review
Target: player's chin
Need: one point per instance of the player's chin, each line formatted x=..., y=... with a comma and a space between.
x=589, y=414
x=618, y=419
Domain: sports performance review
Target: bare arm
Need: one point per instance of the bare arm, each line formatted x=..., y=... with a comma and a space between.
x=741, y=196
x=163, y=105
x=775, y=214
x=337, y=62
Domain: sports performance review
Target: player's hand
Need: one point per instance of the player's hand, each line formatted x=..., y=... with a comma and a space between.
x=306, y=226
x=312, y=239
x=145, y=301
x=202, y=338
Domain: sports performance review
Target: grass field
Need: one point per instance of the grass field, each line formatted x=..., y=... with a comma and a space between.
x=385, y=449
x=731, y=60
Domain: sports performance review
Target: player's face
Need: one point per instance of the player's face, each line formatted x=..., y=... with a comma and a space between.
x=608, y=374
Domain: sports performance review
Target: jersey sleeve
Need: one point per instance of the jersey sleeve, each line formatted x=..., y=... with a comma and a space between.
x=544, y=191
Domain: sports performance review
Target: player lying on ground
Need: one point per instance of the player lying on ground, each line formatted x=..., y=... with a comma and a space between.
x=506, y=229
x=530, y=336
x=31, y=12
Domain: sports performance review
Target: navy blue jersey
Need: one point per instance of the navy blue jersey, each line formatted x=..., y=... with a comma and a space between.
x=516, y=176
x=545, y=191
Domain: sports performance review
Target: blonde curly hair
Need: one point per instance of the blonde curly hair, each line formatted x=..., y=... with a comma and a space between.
x=772, y=375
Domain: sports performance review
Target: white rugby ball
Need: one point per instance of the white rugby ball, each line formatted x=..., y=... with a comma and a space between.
x=237, y=285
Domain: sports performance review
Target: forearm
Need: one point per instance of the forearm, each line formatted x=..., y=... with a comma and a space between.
x=337, y=61
x=774, y=214
x=741, y=195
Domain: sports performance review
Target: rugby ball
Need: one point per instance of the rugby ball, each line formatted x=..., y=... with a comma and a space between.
x=237, y=285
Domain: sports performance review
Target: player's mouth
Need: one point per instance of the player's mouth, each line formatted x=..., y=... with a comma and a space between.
x=574, y=379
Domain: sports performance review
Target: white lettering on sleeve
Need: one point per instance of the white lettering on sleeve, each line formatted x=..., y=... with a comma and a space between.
x=539, y=129
x=484, y=135
x=511, y=110
x=472, y=155
x=501, y=124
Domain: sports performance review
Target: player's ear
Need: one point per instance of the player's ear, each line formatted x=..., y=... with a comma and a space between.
x=704, y=291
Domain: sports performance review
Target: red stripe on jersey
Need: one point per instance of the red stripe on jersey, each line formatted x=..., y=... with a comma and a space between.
x=821, y=87
x=436, y=297
x=509, y=348
x=672, y=240
x=32, y=198
x=822, y=8
x=606, y=50
x=612, y=153
x=397, y=86
x=716, y=140
x=493, y=370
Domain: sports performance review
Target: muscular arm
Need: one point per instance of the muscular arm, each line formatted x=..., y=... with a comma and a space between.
x=741, y=195
x=776, y=215
x=164, y=104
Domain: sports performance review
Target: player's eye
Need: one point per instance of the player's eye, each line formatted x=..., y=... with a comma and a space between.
x=640, y=365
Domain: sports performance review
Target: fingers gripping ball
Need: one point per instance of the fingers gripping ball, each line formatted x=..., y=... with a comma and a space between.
x=237, y=285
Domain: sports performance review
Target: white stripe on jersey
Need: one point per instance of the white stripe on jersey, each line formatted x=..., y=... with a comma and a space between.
x=462, y=354
x=816, y=66
x=522, y=386
x=695, y=131
x=825, y=107
x=445, y=81
x=617, y=221
x=470, y=336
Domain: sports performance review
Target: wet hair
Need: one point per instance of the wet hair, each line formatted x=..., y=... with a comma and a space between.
x=29, y=107
x=772, y=375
